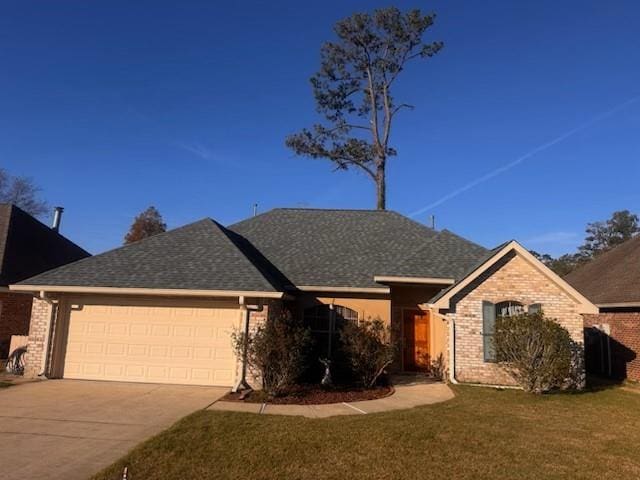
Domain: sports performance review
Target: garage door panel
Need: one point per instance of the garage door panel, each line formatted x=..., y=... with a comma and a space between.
x=188, y=345
x=116, y=329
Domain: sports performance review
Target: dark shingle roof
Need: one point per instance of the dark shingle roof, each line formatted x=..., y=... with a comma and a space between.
x=199, y=256
x=346, y=248
x=280, y=248
x=446, y=255
x=29, y=247
x=612, y=277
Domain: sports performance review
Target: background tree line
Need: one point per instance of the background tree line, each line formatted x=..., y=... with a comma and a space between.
x=600, y=237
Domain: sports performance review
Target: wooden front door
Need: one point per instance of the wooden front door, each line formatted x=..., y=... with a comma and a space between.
x=416, y=353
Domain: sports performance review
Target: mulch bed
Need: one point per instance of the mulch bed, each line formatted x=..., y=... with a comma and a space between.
x=314, y=395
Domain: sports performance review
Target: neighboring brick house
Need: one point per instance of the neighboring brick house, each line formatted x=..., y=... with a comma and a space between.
x=27, y=247
x=163, y=309
x=612, y=282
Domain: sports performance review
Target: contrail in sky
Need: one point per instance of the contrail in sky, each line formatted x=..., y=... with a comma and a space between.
x=531, y=153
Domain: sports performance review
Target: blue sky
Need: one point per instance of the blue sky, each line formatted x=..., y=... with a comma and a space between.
x=115, y=106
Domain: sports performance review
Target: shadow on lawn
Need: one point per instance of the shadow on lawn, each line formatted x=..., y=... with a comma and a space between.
x=596, y=383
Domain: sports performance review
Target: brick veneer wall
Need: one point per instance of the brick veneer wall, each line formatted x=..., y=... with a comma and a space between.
x=513, y=278
x=15, y=313
x=625, y=349
x=40, y=317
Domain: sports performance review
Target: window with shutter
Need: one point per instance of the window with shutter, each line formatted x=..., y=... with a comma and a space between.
x=488, y=325
x=490, y=311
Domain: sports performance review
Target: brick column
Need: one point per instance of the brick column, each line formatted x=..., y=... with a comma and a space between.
x=38, y=331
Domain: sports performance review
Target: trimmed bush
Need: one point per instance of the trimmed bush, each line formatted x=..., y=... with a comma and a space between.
x=536, y=351
x=277, y=352
x=368, y=348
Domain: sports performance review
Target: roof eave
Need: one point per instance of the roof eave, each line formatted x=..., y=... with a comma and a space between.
x=170, y=292
x=332, y=289
x=413, y=280
x=619, y=305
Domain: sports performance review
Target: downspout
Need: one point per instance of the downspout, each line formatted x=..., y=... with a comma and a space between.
x=44, y=365
x=452, y=351
x=247, y=309
x=452, y=362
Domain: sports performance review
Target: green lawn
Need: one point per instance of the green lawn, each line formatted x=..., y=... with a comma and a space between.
x=482, y=433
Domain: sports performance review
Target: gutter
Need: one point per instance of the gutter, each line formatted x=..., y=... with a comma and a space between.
x=145, y=291
x=319, y=288
x=618, y=305
x=413, y=280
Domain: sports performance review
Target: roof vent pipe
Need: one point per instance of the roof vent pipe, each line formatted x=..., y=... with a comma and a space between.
x=57, y=215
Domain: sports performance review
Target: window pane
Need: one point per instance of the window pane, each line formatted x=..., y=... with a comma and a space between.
x=535, y=308
x=509, y=309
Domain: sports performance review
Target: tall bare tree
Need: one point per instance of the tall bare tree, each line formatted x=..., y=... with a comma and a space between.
x=353, y=90
x=146, y=224
x=22, y=192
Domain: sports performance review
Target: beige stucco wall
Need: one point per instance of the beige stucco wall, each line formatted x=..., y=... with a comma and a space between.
x=414, y=298
x=389, y=308
x=368, y=306
x=514, y=278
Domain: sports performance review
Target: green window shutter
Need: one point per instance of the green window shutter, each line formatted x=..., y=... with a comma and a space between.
x=488, y=325
x=535, y=308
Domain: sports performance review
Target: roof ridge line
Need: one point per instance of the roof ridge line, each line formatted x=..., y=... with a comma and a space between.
x=225, y=232
x=333, y=209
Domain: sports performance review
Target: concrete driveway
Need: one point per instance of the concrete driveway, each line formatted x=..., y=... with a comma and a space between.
x=71, y=429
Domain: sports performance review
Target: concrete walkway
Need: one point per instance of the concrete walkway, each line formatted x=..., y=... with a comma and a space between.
x=407, y=395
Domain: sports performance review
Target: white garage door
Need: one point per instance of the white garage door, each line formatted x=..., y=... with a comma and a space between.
x=154, y=342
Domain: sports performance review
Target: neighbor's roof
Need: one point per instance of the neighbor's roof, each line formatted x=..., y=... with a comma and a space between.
x=347, y=248
x=612, y=277
x=29, y=247
x=198, y=256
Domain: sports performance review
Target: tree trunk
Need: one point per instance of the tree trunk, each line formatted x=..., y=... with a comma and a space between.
x=381, y=187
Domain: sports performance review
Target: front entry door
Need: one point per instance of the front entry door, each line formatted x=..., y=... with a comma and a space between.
x=416, y=340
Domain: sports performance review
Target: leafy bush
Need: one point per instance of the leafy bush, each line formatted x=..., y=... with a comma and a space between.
x=368, y=348
x=277, y=352
x=536, y=351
